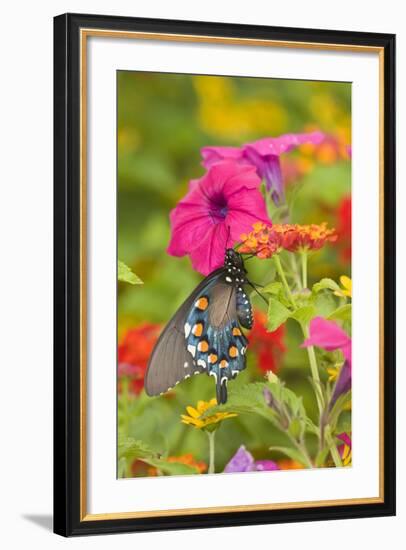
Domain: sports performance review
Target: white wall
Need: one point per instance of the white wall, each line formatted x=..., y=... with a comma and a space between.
x=26, y=269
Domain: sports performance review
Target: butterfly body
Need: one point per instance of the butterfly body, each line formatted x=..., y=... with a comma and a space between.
x=205, y=334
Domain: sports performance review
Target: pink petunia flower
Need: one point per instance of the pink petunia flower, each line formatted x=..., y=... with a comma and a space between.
x=329, y=336
x=264, y=155
x=220, y=206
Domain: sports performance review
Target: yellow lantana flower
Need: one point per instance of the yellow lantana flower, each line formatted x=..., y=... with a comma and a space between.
x=346, y=289
x=195, y=415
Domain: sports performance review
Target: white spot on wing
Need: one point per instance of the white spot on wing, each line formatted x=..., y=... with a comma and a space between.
x=201, y=363
x=229, y=280
x=187, y=329
x=185, y=365
x=191, y=349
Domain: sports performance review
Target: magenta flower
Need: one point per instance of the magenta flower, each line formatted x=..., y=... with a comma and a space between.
x=329, y=336
x=264, y=155
x=243, y=461
x=220, y=206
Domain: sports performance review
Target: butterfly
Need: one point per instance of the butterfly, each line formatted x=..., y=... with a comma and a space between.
x=204, y=335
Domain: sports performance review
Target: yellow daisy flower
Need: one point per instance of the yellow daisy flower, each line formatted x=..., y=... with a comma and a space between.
x=346, y=289
x=195, y=415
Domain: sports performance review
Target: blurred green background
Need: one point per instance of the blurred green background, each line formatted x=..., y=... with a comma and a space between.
x=163, y=121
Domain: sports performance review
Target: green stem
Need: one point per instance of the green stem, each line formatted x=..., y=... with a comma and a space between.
x=302, y=449
x=320, y=401
x=212, y=450
x=315, y=373
x=333, y=448
x=281, y=274
x=295, y=271
x=304, y=268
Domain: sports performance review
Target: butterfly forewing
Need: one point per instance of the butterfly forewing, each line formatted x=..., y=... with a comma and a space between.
x=170, y=361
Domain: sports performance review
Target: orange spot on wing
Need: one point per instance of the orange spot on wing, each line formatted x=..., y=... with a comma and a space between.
x=198, y=329
x=233, y=351
x=213, y=358
x=236, y=331
x=202, y=303
x=203, y=346
x=223, y=364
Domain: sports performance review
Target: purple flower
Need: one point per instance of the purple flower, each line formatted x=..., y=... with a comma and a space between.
x=218, y=208
x=264, y=155
x=243, y=461
x=342, y=385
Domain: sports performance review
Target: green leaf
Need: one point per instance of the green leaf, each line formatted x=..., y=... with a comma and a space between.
x=122, y=467
x=322, y=456
x=304, y=315
x=132, y=449
x=295, y=428
x=311, y=427
x=247, y=399
x=272, y=288
x=277, y=314
x=126, y=275
x=342, y=313
x=171, y=468
x=338, y=408
x=325, y=303
x=294, y=454
x=328, y=284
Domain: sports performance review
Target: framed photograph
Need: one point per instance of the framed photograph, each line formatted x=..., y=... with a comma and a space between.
x=224, y=253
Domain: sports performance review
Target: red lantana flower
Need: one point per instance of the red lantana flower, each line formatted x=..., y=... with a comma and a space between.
x=134, y=352
x=344, y=229
x=268, y=346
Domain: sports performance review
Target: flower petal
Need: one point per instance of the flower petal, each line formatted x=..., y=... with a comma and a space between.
x=284, y=143
x=212, y=155
x=193, y=412
x=265, y=466
x=329, y=336
x=208, y=255
x=242, y=461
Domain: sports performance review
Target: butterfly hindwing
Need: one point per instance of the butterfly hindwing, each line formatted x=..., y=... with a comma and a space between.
x=213, y=336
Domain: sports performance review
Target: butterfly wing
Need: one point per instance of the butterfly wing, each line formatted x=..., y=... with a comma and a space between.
x=170, y=361
x=213, y=335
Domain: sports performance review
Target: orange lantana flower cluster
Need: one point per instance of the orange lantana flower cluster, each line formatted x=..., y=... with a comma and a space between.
x=265, y=241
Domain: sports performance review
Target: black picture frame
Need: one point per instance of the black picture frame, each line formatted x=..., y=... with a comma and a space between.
x=67, y=351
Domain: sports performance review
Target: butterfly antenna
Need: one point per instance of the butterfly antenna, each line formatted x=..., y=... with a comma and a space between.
x=255, y=254
x=259, y=293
